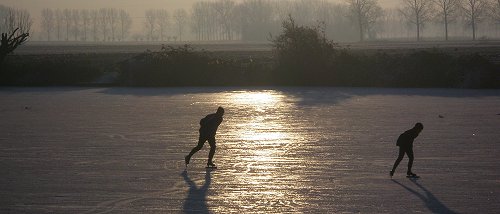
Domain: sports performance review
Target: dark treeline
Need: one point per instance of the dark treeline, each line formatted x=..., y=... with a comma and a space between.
x=255, y=20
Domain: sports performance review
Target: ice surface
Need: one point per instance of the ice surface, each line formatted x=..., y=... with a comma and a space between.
x=280, y=150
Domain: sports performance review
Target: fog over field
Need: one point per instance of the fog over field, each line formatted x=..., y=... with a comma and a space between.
x=253, y=20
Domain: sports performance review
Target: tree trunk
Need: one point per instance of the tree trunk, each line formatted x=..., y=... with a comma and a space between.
x=361, y=37
x=418, y=29
x=418, y=32
x=473, y=20
x=446, y=26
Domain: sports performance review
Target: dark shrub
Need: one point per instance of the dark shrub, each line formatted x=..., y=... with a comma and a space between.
x=476, y=71
x=173, y=66
x=304, y=54
x=48, y=70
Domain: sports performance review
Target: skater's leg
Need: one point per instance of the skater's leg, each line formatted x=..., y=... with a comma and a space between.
x=211, y=141
x=400, y=157
x=201, y=141
x=409, y=152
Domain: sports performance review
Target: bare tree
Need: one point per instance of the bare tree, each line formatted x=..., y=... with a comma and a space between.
x=10, y=41
x=323, y=12
x=196, y=20
x=104, y=23
x=125, y=22
x=495, y=11
x=256, y=19
x=75, y=17
x=150, y=24
x=94, y=22
x=223, y=10
x=282, y=10
x=302, y=11
x=203, y=20
x=59, y=23
x=365, y=14
x=48, y=22
x=67, y=21
x=86, y=20
x=393, y=24
x=206, y=20
x=417, y=12
x=474, y=11
x=180, y=19
x=211, y=21
x=446, y=11
x=24, y=21
x=4, y=12
x=332, y=16
x=17, y=19
x=163, y=21
x=10, y=20
x=113, y=21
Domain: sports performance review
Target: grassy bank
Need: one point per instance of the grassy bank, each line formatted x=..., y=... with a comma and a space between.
x=185, y=66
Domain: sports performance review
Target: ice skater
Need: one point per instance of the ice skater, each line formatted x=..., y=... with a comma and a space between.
x=208, y=129
x=405, y=143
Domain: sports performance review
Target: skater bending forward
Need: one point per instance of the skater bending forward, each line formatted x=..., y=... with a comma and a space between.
x=208, y=129
x=405, y=143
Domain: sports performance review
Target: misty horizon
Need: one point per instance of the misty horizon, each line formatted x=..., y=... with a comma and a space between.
x=137, y=10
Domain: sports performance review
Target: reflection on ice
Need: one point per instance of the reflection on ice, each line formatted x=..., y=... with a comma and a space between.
x=256, y=99
x=263, y=135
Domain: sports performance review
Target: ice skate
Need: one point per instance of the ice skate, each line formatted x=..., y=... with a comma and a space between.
x=412, y=175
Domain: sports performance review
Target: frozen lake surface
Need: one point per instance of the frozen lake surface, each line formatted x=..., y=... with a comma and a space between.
x=280, y=150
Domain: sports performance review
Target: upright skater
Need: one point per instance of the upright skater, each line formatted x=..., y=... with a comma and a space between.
x=405, y=143
x=208, y=129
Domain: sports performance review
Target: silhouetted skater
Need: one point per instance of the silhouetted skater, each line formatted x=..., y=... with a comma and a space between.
x=208, y=129
x=405, y=143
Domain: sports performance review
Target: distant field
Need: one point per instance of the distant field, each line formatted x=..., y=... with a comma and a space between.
x=130, y=47
x=491, y=49
x=137, y=47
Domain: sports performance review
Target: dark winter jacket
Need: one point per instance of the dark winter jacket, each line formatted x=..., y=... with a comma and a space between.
x=406, y=139
x=210, y=123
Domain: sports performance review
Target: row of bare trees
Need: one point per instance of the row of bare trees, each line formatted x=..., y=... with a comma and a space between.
x=214, y=20
x=159, y=23
x=365, y=14
x=12, y=19
x=105, y=24
x=255, y=20
x=109, y=24
x=420, y=12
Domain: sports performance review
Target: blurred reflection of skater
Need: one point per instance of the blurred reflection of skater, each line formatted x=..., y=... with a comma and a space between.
x=208, y=129
x=405, y=143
